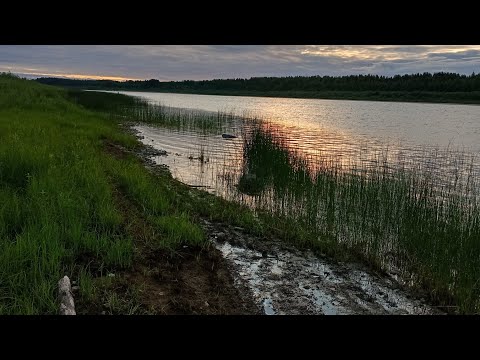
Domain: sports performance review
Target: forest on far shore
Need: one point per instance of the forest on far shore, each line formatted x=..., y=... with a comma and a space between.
x=437, y=82
x=435, y=88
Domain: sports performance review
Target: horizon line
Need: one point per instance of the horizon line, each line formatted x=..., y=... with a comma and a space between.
x=36, y=75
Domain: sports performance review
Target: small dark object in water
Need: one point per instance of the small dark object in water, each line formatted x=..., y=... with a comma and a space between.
x=228, y=136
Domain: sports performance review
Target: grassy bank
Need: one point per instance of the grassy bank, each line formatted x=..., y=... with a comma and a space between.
x=60, y=212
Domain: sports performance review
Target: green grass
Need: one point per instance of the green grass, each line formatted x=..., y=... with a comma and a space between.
x=56, y=200
x=179, y=230
x=58, y=213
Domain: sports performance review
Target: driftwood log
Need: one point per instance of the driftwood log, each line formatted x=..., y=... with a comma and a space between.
x=67, y=306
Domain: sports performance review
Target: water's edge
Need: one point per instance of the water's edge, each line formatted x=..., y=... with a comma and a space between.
x=285, y=280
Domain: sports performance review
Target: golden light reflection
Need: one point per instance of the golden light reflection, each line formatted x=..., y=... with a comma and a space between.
x=326, y=148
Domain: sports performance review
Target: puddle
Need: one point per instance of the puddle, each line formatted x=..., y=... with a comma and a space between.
x=325, y=302
x=268, y=307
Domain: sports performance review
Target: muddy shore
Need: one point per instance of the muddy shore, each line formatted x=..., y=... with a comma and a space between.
x=275, y=278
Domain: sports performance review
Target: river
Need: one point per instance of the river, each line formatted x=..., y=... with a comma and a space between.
x=437, y=144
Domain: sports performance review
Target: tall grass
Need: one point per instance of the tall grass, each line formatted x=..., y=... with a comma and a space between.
x=56, y=203
x=413, y=217
x=136, y=109
x=58, y=212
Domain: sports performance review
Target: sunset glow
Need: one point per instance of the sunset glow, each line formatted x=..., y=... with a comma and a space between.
x=33, y=73
x=204, y=62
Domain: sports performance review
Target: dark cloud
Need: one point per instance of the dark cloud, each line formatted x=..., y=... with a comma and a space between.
x=463, y=55
x=179, y=62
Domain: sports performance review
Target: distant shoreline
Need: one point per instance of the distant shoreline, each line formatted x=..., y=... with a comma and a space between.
x=428, y=88
x=386, y=96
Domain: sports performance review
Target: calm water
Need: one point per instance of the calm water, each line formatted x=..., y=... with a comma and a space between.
x=414, y=124
x=441, y=139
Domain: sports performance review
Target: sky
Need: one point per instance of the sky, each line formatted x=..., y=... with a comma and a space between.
x=204, y=62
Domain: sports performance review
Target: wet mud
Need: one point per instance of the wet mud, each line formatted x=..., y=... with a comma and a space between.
x=285, y=280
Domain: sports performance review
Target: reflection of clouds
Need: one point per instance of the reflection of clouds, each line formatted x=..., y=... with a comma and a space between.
x=325, y=147
x=446, y=170
x=181, y=62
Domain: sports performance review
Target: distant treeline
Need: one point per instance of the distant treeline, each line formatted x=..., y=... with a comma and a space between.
x=443, y=82
x=438, y=87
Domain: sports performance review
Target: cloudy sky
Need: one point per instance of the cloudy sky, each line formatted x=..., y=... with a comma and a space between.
x=197, y=62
